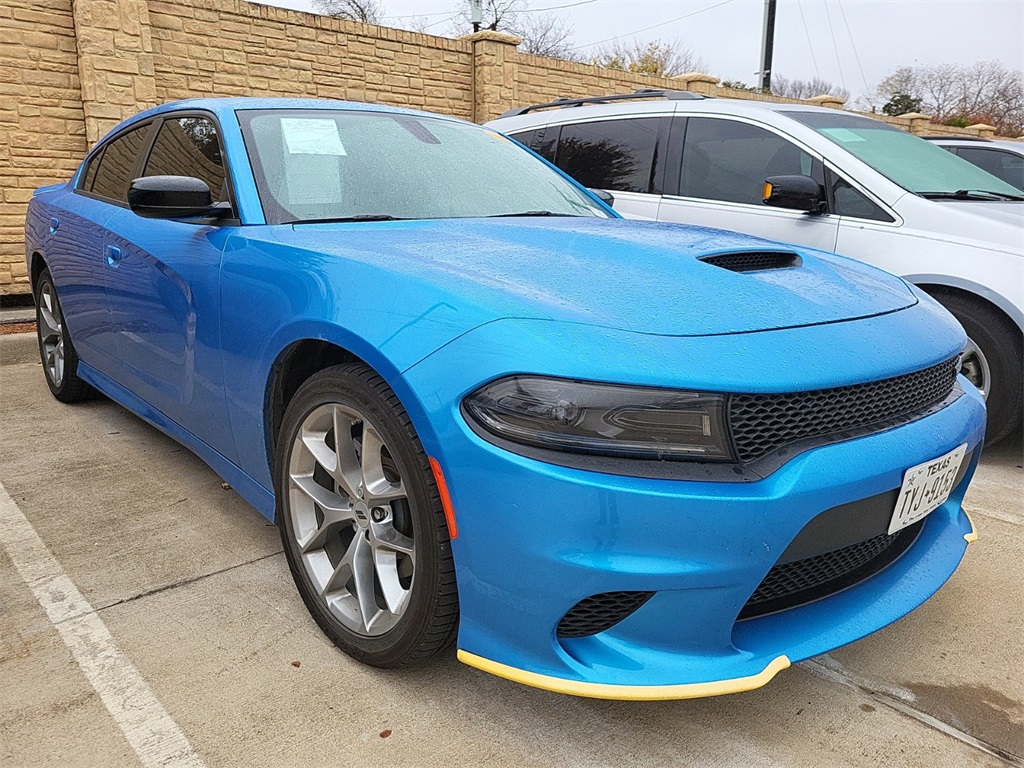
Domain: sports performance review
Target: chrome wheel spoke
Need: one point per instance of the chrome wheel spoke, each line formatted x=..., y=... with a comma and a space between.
x=347, y=472
x=362, y=579
x=386, y=537
x=336, y=512
x=974, y=366
x=386, y=565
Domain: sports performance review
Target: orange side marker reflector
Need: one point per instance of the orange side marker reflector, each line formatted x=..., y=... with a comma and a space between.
x=767, y=191
x=446, y=499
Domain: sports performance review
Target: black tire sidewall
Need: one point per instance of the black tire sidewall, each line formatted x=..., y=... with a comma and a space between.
x=350, y=385
x=1000, y=349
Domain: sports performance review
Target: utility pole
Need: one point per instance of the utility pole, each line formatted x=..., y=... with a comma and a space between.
x=476, y=13
x=767, y=46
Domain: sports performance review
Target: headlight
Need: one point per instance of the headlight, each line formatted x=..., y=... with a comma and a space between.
x=607, y=419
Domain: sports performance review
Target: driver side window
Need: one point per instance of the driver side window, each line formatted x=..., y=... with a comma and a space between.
x=189, y=146
x=728, y=160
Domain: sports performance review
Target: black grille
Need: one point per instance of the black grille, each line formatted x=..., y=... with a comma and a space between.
x=753, y=261
x=600, y=612
x=802, y=581
x=762, y=423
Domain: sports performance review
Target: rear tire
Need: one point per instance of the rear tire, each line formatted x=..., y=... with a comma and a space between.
x=995, y=362
x=361, y=520
x=58, y=355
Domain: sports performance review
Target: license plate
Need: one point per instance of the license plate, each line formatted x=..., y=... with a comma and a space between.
x=925, y=487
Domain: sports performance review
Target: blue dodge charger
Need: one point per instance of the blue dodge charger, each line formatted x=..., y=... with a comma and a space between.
x=602, y=457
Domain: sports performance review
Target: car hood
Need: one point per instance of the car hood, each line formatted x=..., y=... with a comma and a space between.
x=627, y=275
x=996, y=224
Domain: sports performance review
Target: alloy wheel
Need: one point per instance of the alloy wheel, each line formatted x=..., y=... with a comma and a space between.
x=974, y=366
x=51, y=334
x=350, y=519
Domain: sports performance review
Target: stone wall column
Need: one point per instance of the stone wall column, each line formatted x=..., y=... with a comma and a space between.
x=495, y=73
x=697, y=82
x=115, y=61
x=917, y=123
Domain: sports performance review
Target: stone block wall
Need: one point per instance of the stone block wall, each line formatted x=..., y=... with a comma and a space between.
x=72, y=69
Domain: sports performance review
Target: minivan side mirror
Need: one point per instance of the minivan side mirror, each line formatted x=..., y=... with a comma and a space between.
x=170, y=197
x=801, y=193
x=606, y=197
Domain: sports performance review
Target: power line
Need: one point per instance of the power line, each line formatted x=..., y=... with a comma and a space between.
x=449, y=14
x=856, y=55
x=807, y=32
x=835, y=45
x=653, y=26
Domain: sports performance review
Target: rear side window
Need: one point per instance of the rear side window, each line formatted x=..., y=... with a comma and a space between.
x=189, y=146
x=117, y=164
x=543, y=141
x=620, y=155
x=729, y=160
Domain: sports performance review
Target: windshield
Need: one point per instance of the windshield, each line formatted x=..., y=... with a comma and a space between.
x=312, y=165
x=913, y=163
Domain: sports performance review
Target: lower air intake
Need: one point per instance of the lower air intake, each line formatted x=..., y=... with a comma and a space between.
x=600, y=612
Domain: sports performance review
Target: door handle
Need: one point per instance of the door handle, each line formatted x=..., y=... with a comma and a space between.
x=54, y=223
x=113, y=255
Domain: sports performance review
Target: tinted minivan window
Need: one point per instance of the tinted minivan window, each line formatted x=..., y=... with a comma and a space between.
x=729, y=160
x=542, y=141
x=116, y=165
x=188, y=146
x=620, y=155
x=1004, y=165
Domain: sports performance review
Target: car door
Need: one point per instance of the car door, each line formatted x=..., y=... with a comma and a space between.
x=75, y=249
x=620, y=155
x=163, y=292
x=721, y=174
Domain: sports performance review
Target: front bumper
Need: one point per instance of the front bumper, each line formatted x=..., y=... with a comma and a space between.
x=536, y=538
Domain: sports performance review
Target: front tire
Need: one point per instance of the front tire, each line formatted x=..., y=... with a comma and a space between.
x=361, y=520
x=58, y=355
x=993, y=361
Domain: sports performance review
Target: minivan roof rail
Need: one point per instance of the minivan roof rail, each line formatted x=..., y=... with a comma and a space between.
x=642, y=93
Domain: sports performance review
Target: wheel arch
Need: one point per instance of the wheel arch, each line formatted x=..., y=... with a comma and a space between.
x=975, y=291
x=304, y=357
x=37, y=263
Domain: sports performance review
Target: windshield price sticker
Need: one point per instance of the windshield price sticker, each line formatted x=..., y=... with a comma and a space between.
x=312, y=136
x=926, y=487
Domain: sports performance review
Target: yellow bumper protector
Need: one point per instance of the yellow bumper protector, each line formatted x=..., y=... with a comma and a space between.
x=971, y=536
x=626, y=692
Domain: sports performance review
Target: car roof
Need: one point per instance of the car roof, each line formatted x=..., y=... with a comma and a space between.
x=980, y=143
x=225, y=107
x=739, y=107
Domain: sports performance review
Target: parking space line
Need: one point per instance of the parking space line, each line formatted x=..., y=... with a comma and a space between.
x=147, y=726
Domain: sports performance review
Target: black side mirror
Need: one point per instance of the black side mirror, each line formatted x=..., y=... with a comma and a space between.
x=801, y=193
x=170, y=197
x=606, y=197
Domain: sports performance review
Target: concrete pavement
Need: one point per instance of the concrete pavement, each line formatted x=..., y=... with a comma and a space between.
x=195, y=593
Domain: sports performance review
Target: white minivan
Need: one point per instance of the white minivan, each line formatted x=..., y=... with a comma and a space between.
x=817, y=177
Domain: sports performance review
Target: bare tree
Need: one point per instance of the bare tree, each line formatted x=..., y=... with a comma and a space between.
x=366, y=11
x=543, y=34
x=663, y=58
x=806, y=89
x=984, y=92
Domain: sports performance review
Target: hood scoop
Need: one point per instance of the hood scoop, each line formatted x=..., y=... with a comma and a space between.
x=753, y=261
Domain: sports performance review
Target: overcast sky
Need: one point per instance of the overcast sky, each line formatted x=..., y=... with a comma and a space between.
x=852, y=43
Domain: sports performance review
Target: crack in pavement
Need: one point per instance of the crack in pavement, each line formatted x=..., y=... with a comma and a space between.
x=834, y=672
x=182, y=583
